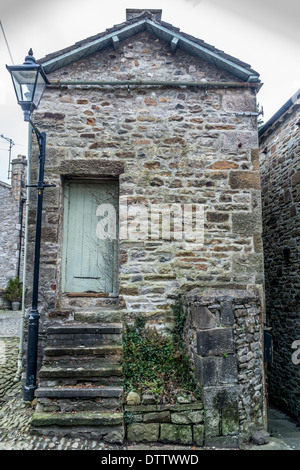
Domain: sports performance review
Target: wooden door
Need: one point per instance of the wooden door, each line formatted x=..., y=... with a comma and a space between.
x=90, y=237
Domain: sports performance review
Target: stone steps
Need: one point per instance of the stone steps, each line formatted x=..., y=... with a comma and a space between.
x=79, y=398
x=79, y=419
x=93, y=372
x=82, y=328
x=82, y=334
x=81, y=379
x=114, y=351
x=85, y=392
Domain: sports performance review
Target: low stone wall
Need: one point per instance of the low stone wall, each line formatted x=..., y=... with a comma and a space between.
x=168, y=424
x=224, y=340
x=224, y=331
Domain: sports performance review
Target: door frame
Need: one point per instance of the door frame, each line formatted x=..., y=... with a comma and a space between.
x=64, y=241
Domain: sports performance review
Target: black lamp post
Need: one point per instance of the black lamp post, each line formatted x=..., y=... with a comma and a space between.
x=30, y=82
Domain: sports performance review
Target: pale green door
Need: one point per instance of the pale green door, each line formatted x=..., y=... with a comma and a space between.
x=90, y=237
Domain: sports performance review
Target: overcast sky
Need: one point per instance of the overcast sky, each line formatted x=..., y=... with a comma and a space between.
x=263, y=33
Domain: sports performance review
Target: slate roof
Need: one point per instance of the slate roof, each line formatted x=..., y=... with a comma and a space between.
x=276, y=119
x=146, y=21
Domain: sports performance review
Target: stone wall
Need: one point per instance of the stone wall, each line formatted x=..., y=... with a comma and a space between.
x=10, y=210
x=280, y=177
x=166, y=145
x=9, y=234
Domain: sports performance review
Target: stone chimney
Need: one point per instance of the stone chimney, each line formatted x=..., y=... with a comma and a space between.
x=18, y=176
x=151, y=14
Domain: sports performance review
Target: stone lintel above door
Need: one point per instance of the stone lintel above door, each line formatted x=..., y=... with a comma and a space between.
x=91, y=168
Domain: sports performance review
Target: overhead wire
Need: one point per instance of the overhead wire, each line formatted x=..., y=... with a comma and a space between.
x=6, y=41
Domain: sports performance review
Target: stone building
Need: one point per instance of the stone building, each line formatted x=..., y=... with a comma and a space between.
x=11, y=216
x=280, y=179
x=152, y=143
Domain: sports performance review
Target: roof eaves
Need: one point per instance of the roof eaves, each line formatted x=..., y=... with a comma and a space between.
x=5, y=185
x=201, y=49
x=209, y=47
x=85, y=48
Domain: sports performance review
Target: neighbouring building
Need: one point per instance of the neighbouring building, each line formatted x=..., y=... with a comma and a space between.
x=144, y=121
x=12, y=197
x=280, y=179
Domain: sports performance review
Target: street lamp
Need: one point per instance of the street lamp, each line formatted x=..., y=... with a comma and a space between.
x=29, y=82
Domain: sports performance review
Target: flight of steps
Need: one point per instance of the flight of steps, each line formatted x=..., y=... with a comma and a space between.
x=80, y=383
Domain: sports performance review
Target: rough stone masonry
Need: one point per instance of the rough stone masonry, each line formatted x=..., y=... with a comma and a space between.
x=164, y=145
x=280, y=176
x=11, y=209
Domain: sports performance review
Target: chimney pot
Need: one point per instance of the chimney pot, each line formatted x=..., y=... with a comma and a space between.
x=134, y=13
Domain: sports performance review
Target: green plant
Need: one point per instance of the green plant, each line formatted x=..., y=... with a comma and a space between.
x=128, y=417
x=14, y=290
x=179, y=320
x=155, y=362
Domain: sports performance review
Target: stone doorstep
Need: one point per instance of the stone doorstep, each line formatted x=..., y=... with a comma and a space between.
x=98, y=316
x=82, y=303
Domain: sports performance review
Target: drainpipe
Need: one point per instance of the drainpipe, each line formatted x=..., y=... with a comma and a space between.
x=21, y=210
x=59, y=83
x=21, y=343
